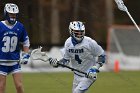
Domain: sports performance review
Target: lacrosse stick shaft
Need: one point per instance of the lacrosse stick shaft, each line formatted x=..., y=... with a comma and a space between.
x=133, y=20
x=8, y=61
x=73, y=69
x=122, y=7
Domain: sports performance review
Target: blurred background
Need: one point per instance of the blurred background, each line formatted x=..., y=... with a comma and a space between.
x=47, y=21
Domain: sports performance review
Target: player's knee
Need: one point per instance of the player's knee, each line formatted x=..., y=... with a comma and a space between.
x=19, y=87
x=2, y=89
x=2, y=86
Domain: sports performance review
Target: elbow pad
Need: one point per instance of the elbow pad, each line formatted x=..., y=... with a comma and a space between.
x=101, y=60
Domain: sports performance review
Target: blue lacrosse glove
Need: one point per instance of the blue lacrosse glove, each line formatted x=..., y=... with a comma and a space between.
x=92, y=73
x=25, y=58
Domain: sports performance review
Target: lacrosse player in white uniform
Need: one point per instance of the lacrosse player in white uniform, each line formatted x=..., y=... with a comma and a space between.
x=84, y=54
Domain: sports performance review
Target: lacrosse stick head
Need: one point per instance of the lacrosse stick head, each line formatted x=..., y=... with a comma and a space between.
x=121, y=5
x=36, y=54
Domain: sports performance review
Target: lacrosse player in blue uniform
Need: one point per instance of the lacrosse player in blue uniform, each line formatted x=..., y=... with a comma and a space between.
x=12, y=34
x=84, y=54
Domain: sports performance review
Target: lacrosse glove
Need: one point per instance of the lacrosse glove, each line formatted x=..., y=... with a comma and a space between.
x=25, y=58
x=53, y=62
x=92, y=73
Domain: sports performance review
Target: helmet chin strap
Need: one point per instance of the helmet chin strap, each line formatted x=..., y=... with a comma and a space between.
x=74, y=41
x=12, y=21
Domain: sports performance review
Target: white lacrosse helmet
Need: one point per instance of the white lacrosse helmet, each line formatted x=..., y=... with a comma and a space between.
x=77, y=30
x=11, y=8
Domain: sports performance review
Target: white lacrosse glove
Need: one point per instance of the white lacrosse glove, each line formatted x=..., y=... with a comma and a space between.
x=92, y=73
x=25, y=58
x=53, y=62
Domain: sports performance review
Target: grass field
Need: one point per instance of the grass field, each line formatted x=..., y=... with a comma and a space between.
x=107, y=82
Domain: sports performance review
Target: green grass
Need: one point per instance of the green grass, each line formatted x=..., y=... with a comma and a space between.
x=107, y=82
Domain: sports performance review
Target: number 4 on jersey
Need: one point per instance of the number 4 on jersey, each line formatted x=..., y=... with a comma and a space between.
x=77, y=58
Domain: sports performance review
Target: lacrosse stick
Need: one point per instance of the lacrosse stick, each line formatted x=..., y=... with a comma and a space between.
x=36, y=54
x=122, y=7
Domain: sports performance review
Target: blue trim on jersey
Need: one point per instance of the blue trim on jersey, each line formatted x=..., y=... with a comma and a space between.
x=5, y=70
x=10, y=40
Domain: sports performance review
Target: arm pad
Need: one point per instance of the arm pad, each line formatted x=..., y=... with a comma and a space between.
x=101, y=60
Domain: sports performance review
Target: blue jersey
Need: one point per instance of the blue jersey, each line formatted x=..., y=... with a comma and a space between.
x=10, y=39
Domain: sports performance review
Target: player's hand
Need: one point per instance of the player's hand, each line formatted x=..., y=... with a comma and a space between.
x=53, y=62
x=92, y=73
x=25, y=58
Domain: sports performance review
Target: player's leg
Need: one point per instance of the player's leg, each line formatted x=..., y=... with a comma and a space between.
x=75, y=83
x=17, y=77
x=18, y=82
x=2, y=83
x=83, y=85
x=3, y=74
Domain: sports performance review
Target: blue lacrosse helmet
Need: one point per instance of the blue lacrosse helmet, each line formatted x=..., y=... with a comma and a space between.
x=11, y=9
x=77, y=30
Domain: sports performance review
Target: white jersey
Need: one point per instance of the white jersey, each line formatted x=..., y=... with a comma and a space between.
x=83, y=55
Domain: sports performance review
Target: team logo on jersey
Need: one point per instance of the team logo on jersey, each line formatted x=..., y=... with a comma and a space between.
x=10, y=32
x=76, y=50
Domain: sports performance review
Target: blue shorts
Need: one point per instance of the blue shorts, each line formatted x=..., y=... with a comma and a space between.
x=5, y=70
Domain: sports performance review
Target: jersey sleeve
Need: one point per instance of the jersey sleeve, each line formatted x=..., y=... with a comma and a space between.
x=24, y=38
x=95, y=48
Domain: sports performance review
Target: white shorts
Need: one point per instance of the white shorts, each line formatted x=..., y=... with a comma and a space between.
x=82, y=83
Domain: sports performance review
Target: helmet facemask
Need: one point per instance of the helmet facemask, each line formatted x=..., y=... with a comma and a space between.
x=78, y=35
